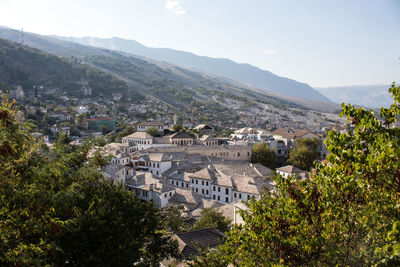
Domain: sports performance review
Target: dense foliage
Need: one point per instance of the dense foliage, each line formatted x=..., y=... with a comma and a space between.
x=28, y=66
x=305, y=153
x=213, y=218
x=57, y=209
x=346, y=214
x=264, y=155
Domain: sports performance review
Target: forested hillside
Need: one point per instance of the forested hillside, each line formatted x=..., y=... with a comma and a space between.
x=27, y=66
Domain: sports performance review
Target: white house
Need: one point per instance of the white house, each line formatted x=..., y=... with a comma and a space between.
x=142, y=139
x=144, y=126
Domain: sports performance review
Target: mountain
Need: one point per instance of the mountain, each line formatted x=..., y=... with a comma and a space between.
x=373, y=96
x=159, y=72
x=244, y=73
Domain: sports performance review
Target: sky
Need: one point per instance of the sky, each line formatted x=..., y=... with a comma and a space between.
x=319, y=42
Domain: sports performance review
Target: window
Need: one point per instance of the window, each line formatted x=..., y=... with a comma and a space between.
x=192, y=189
x=226, y=191
x=219, y=189
x=197, y=181
x=240, y=196
x=192, y=181
x=234, y=195
x=238, y=154
x=202, y=191
x=219, y=198
x=165, y=195
x=187, y=185
x=214, y=188
x=213, y=196
x=207, y=183
x=172, y=182
x=197, y=190
x=202, y=182
x=158, y=165
x=170, y=193
x=206, y=192
x=248, y=197
x=182, y=184
x=226, y=199
x=157, y=172
x=248, y=154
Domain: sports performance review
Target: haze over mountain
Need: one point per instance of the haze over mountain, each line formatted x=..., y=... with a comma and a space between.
x=373, y=96
x=245, y=73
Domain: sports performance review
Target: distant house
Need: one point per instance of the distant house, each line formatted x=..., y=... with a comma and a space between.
x=149, y=188
x=190, y=242
x=290, y=170
x=144, y=126
x=204, y=129
x=142, y=139
x=182, y=139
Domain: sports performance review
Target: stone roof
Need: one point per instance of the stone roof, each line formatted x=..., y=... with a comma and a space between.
x=206, y=138
x=185, y=196
x=139, y=135
x=205, y=174
x=112, y=168
x=283, y=132
x=159, y=157
x=231, y=167
x=222, y=180
x=203, y=126
x=290, y=169
x=161, y=140
x=181, y=135
x=251, y=185
x=246, y=130
x=189, y=242
x=150, y=123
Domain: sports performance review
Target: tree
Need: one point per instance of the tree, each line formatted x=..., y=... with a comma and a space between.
x=346, y=214
x=213, y=218
x=174, y=220
x=177, y=128
x=264, y=155
x=305, y=153
x=153, y=131
x=61, y=211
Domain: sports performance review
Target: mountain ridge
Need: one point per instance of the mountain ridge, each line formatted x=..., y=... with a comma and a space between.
x=242, y=72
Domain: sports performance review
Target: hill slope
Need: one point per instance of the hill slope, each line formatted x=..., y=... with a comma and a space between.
x=223, y=67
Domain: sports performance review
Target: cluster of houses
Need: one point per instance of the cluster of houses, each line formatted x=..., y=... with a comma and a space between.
x=196, y=171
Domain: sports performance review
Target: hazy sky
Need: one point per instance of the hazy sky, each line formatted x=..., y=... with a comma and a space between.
x=320, y=42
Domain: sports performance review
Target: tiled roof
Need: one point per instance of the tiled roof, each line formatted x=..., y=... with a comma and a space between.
x=206, y=174
x=139, y=135
x=203, y=126
x=283, y=132
x=185, y=196
x=150, y=123
x=181, y=135
x=290, y=169
x=203, y=238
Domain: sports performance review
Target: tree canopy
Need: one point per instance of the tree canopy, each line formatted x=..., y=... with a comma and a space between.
x=264, y=155
x=213, y=218
x=57, y=209
x=346, y=214
x=305, y=153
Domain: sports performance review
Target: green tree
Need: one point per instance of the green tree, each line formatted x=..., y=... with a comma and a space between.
x=346, y=214
x=213, y=218
x=59, y=210
x=264, y=155
x=305, y=153
x=174, y=220
x=153, y=131
x=177, y=128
